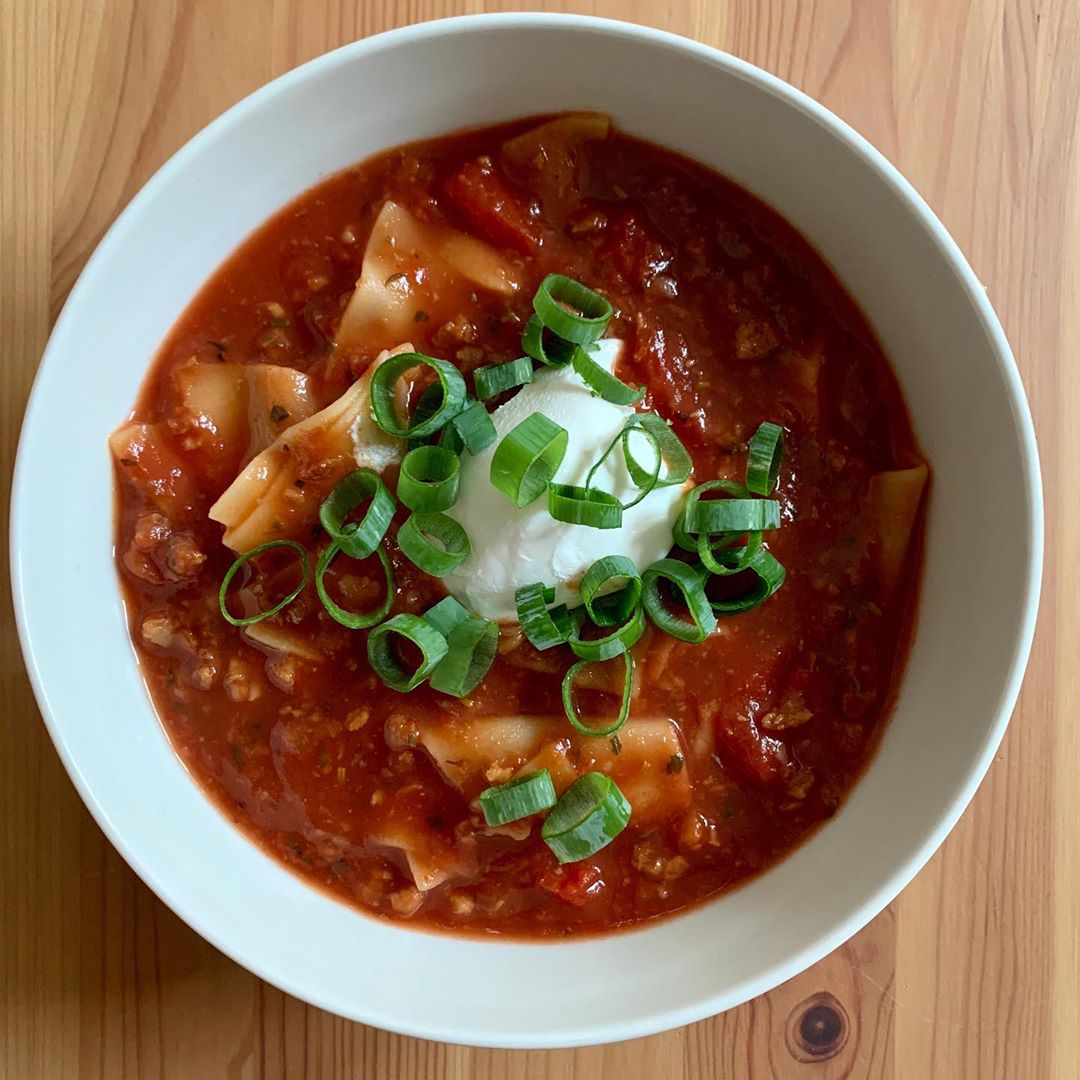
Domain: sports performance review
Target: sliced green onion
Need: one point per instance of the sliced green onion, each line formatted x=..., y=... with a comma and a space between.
x=620, y=640
x=733, y=515
x=471, y=647
x=554, y=353
x=305, y=577
x=473, y=427
x=544, y=627
x=584, y=506
x=385, y=379
x=766, y=451
x=527, y=458
x=690, y=584
x=358, y=539
x=616, y=605
x=570, y=708
x=521, y=798
x=583, y=325
x=676, y=459
x=434, y=542
x=427, y=405
x=383, y=657
x=608, y=386
x=679, y=530
x=429, y=478
x=354, y=620
x=591, y=813
x=446, y=614
x=493, y=379
x=769, y=575
x=723, y=556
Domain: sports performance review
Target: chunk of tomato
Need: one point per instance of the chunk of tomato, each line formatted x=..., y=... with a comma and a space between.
x=575, y=884
x=479, y=191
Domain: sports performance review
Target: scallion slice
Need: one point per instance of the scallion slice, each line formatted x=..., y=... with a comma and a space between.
x=766, y=451
x=769, y=575
x=354, y=620
x=679, y=530
x=427, y=405
x=733, y=515
x=554, y=353
x=584, y=506
x=446, y=614
x=591, y=813
x=527, y=458
x=520, y=798
x=305, y=577
x=608, y=386
x=493, y=379
x=618, y=641
x=429, y=479
x=545, y=627
x=384, y=381
x=358, y=539
x=723, y=555
x=690, y=584
x=471, y=647
x=570, y=708
x=571, y=310
x=614, y=606
x=435, y=542
x=384, y=659
x=668, y=446
x=474, y=428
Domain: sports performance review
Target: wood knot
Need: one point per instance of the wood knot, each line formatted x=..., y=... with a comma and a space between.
x=817, y=1028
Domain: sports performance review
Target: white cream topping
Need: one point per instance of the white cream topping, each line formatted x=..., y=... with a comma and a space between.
x=512, y=547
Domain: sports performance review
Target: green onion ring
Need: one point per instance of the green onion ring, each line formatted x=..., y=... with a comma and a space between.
x=765, y=453
x=613, y=607
x=429, y=479
x=555, y=353
x=608, y=386
x=584, y=506
x=358, y=539
x=591, y=813
x=384, y=662
x=493, y=379
x=676, y=458
x=544, y=627
x=354, y=620
x=473, y=428
x=723, y=556
x=471, y=648
x=679, y=530
x=305, y=577
x=582, y=326
x=733, y=515
x=520, y=798
x=769, y=574
x=446, y=614
x=427, y=405
x=620, y=640
x=434, y=542
x=527, y=458
x=385, y=379
x=624, y=705
x=689, y=582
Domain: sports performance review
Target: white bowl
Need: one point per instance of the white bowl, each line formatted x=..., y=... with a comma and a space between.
x=983, y=552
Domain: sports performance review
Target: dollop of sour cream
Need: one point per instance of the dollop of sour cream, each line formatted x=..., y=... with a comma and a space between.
x=512, y=547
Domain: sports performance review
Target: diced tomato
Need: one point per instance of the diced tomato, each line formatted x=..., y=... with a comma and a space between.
x=761, y=757
x=636, y=248
x=479, y=191
x=575, y=884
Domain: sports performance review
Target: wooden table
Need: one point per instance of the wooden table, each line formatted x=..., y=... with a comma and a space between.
x=974, y=973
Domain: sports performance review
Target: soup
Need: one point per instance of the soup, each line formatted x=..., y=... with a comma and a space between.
x=520, y=533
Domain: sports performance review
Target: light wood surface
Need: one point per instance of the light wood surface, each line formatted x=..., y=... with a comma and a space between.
x=974, y=973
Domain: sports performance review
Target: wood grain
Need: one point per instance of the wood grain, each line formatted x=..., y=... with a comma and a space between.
x=974, y=973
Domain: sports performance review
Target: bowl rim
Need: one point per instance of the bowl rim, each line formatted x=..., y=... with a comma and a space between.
x=887, y=173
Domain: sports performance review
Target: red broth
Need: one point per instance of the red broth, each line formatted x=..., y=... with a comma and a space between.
x=730, y=318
